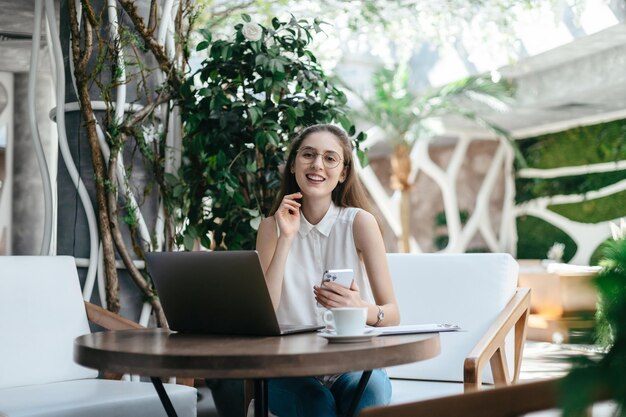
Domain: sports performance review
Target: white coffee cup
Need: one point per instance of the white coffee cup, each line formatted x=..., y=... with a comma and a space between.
x=347, y=321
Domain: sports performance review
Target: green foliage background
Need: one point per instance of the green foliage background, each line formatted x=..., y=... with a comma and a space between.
x=583, y=145
x=608, y=373
x=535, y=237
x=240, y=110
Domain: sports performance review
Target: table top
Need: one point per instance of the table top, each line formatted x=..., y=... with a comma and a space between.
x=157, y=352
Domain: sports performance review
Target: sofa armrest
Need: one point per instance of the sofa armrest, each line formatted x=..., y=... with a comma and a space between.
x=516, y=400
x=490, y=347
x=109, y=320
x=510, y=401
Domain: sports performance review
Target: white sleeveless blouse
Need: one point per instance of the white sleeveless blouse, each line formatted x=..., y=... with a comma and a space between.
x=317, y=248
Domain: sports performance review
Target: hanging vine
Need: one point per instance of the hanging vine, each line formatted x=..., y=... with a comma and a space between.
x=124, y=57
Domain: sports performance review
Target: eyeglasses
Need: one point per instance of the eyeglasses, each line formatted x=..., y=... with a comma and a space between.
x=308, y=155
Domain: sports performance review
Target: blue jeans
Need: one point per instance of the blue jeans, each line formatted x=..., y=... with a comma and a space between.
x=304, y=397
x=228, y=397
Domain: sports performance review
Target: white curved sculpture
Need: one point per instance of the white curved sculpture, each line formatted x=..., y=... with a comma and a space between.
x=499, y=238
x=166, y=39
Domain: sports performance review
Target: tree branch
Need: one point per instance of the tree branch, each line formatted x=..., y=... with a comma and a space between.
x=147, y=110
x=152, y=18
x=134, y=273
x=167, y=66
x=89, y=13
x=80, y=70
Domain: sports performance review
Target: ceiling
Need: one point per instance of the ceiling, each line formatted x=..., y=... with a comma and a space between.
x=580, y=82
x=583, y=79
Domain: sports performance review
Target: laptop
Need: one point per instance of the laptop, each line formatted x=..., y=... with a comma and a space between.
x=222, y=292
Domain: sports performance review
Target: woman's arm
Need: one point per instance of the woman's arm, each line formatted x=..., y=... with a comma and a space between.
x=370, y=246
x=273, y=248
x=273, y=257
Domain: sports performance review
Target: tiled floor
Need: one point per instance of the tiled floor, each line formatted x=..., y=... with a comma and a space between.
x=550, y=360
x=541, y=360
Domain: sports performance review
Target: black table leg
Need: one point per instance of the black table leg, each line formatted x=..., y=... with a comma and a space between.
x=165, y=400
x=260, y=398
x=359, y=392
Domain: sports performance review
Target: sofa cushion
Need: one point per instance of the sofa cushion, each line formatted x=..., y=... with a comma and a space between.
x=469, y=290
x=41, y=312
x=95, y=398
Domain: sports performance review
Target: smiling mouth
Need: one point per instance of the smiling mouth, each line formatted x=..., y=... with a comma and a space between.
x=315, y=178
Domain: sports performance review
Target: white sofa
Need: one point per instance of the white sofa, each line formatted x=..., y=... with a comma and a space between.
x=41, y=312
x=476, y=291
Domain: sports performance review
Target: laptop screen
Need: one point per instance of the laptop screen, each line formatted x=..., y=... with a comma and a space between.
x=220, y=292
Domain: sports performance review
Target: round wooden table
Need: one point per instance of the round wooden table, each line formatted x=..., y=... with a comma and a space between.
x=157, y=353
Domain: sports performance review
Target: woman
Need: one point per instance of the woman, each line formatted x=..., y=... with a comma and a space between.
x=320, y=222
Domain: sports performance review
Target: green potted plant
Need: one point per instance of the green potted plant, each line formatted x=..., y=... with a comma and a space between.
x=251, y=94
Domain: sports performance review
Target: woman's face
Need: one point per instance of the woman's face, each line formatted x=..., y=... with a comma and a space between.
x=319, y=164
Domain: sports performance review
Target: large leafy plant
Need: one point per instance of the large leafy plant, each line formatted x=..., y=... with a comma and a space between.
x=252, y=93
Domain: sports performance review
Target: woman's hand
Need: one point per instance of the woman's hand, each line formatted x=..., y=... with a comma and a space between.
x=288, y=215
x=332, y=295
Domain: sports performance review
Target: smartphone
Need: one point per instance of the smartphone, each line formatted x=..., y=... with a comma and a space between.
x=342, y=277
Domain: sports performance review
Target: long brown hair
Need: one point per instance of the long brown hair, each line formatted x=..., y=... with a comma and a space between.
x=349, y=193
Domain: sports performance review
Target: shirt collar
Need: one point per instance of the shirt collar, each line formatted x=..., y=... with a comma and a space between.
x=324, y=226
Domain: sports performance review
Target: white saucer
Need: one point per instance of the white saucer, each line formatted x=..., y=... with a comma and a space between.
x=335, y=338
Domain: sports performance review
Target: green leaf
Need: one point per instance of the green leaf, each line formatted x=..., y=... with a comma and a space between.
x=260, y=139
x=178, y=191
x=230, y=190
x=170, y=179
x=276, y=65
x=246, y=17
x=205, y=241
x=362, y=156
x=279, y=76
x=206, y=34
x=221, y=158
x=255, y=222
x=202, y=45
x=291, y=117
x=251, y=167
x=255, y=114
x=322, y=92
x=261, y=60
x=346, y=123
x=188, y=242
x=273, y=138
x=251, y=212
x=227, y=52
